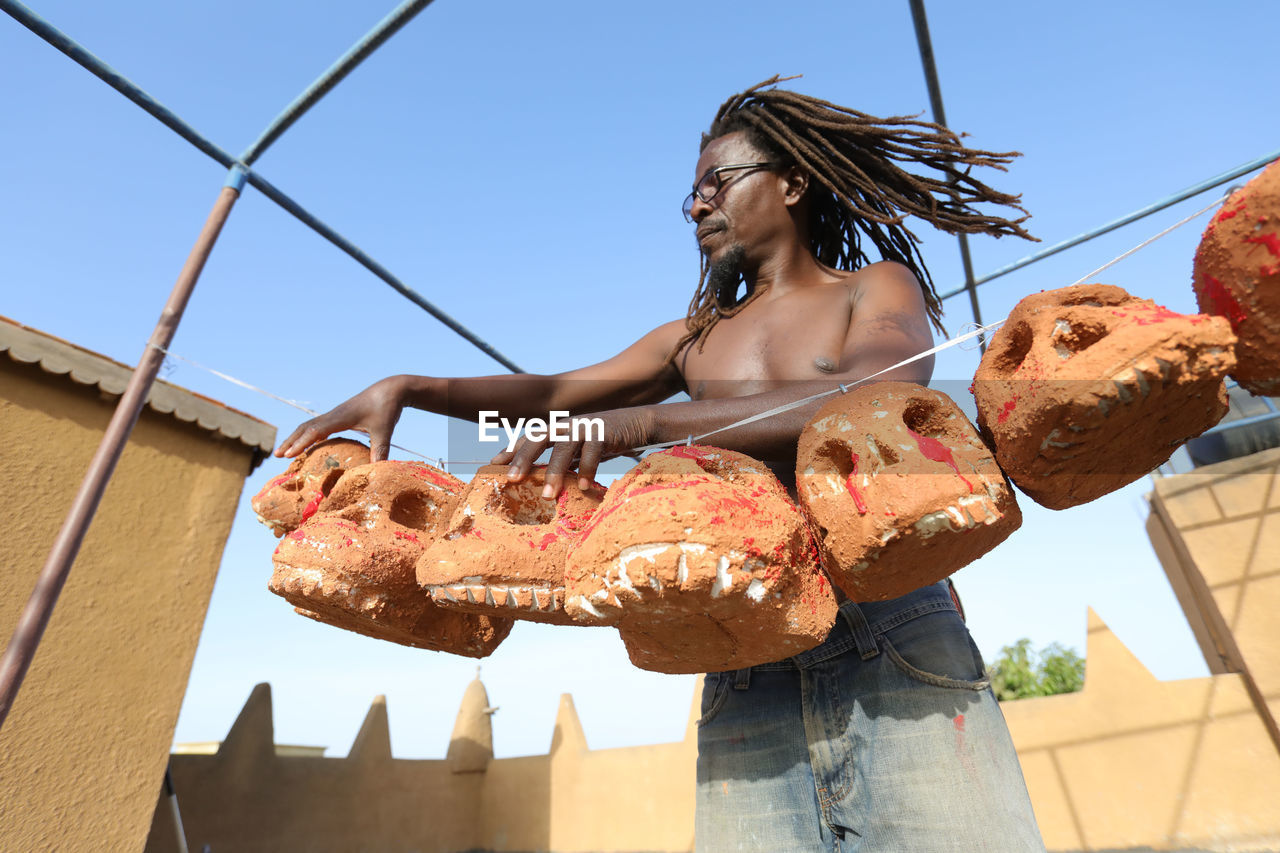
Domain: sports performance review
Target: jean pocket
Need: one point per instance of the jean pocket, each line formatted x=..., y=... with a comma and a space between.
x=936, y=649
x=715, y=689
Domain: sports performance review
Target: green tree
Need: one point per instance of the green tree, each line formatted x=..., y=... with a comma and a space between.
x=1020, y=672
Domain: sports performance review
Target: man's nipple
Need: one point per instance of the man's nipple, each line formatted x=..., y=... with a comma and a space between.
x=824, y=364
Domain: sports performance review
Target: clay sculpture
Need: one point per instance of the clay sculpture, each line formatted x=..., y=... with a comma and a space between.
x=1237, y=275
x=703, y=563
x=900, y=489
x=1086, y=388
x=351, y=564
x=505, y=546
x=291, y=498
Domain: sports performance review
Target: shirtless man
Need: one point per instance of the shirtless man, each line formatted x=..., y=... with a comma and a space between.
x=886, y=737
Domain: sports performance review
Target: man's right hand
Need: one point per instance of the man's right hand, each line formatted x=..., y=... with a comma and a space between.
x=374, y=411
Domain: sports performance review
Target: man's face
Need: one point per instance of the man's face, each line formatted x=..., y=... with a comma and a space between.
x=734, y=221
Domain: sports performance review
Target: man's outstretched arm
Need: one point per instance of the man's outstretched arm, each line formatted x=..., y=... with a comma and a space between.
x=637, y=376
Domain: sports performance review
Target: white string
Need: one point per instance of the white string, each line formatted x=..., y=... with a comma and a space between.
x=1151, y=240
x=234, y=381
x=971, y=346
x=777, y=410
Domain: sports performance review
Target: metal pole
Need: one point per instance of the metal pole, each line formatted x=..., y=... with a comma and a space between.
x=173, y=807
x=39, y=608
x=940, y=117
x=1208, y=184
x=346, y=63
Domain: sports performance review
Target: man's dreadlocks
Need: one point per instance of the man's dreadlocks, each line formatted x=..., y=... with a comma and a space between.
x=856, y=187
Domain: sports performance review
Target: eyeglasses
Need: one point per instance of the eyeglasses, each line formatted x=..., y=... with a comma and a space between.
x=710, y=184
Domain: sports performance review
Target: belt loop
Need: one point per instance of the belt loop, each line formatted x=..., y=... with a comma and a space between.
x=742, y=679
x=862, y=635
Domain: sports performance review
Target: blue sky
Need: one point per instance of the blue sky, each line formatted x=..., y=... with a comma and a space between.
x=522, y=165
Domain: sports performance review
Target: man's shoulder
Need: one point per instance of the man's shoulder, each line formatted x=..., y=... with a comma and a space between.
x=886, y=285
x=667, y=335
x=675, y=327
x=883, y=273
x=659, y=342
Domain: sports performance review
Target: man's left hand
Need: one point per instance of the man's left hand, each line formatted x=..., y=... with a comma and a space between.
x=624, y=430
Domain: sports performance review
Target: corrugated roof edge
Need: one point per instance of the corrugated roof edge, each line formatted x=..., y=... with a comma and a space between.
x=54, y=355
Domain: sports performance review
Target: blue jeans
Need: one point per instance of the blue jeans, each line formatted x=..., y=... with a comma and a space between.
x=885, y=738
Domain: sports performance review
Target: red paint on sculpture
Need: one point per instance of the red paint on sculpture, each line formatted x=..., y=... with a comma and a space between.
x=1224, y=214
x=936, y=451
x=1271, y=241
x=691, y=451
x=310, y=509
x=1218, y=300
x=440, y=478
x=1147, y=315
x=858, y=500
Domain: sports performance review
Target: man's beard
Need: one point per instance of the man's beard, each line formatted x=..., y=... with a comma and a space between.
x=724, y=275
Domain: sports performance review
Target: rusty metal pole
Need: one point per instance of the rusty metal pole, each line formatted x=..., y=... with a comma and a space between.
x=39, y=608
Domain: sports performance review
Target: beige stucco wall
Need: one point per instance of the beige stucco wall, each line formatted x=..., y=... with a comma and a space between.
x=246, y=797
x=636, y=798
x=1134, y=762
x=83, y=751
x=1218, y=532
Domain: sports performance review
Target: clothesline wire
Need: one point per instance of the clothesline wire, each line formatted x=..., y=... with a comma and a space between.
x=294, y=403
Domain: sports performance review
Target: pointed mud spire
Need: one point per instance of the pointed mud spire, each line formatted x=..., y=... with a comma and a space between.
x=568, y=733
x=373, y=742
x=471, y=746
x=1109, y=664
x=251, y=740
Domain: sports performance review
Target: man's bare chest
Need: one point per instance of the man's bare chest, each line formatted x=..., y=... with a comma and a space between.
x=770, y=342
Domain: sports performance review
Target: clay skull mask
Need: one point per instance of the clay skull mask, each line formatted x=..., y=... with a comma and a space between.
x=505, y=547
x=354, y=559
x=1086, y=388
x=703, y=563
x=900, y=488
x=378, y=520
x=1237, y=276
x=292, y=497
